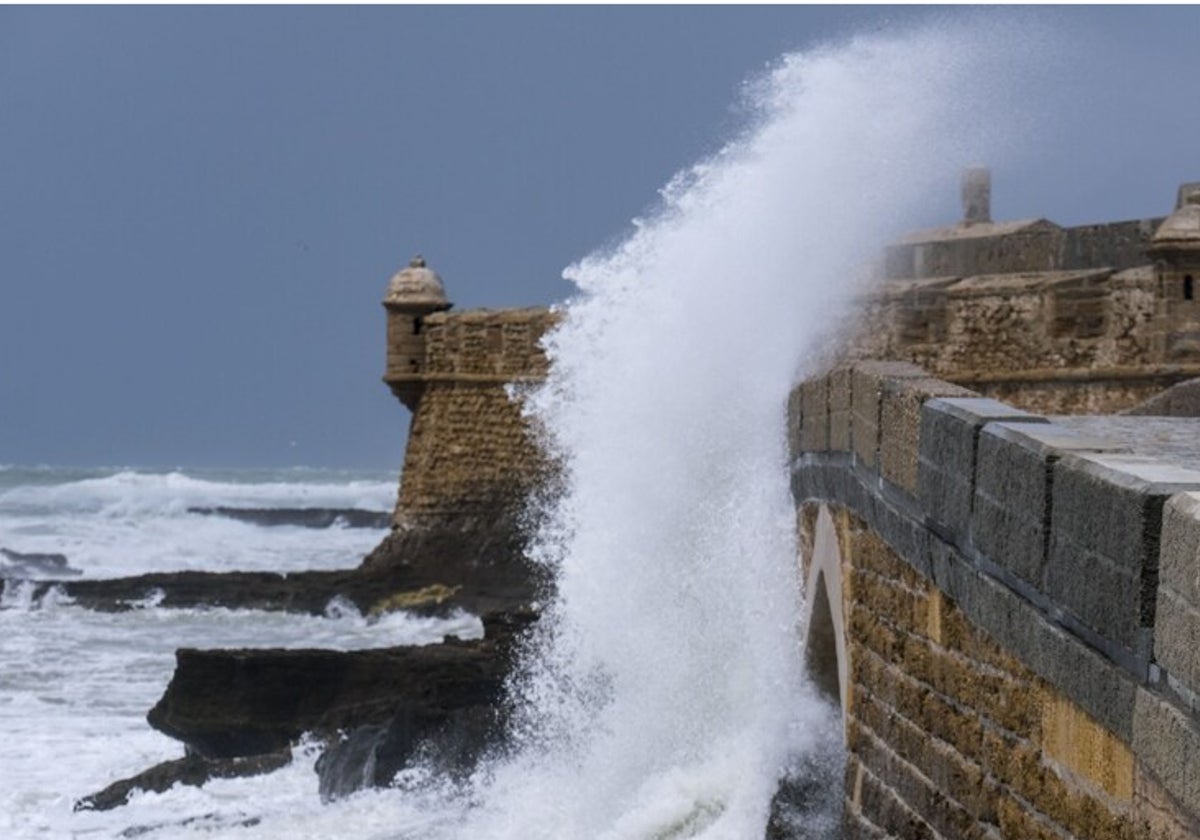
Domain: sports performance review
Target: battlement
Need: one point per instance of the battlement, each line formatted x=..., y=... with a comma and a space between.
x=1091, y=319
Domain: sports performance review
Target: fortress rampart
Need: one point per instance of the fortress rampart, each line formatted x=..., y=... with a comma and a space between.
x=1088, y=319
x=1005, y=606
x=1004, y=601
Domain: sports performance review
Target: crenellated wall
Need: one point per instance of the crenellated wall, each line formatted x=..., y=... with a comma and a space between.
x=1014, y=609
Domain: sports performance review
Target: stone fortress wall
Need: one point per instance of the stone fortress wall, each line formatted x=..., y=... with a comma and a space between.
x=1004, y=603
x=1006, y=608
x=1085, y=319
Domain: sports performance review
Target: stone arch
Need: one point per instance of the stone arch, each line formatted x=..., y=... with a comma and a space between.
x=825, y=634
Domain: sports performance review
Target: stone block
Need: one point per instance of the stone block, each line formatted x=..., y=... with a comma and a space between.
x=1176, y=632
x=1177, y=614
x=840, y=414
x=946, y=463
x=1011, y=507
x=1179, y=566
x=1072, y=739
x=1105, y=528
x=900, y=425
x=1167, y=742
x=866, y=393
x=795, y=415
x=1086, y=677
x=814, y=420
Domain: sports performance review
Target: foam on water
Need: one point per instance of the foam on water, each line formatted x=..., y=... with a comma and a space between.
x=124, y=522
x=75, y=687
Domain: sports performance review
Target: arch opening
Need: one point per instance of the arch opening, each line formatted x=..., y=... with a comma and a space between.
x=811, y=798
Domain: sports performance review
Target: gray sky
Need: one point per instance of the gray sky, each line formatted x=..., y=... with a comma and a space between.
x=200, y=207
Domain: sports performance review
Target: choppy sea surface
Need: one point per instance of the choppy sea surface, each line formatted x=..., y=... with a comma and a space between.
x=75, y=685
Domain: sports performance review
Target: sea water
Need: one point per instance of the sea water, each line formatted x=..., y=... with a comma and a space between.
x=663, y=695
x=75, y=685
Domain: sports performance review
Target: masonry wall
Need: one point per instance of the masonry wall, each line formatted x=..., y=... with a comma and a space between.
x=1058, y=342
x=470, y=453
x=1020, y=614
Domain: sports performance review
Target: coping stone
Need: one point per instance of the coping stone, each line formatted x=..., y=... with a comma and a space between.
x=814, y=422
x=1177, y=610
x=1011, y=507
x=946, y=464
x=795, y=418
x=866, y=394
x=900, y=426
x=1105, y=528
x=840, y=412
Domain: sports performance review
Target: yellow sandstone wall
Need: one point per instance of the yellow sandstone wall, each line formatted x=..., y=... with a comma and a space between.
x=470, y=453
x=951, y=736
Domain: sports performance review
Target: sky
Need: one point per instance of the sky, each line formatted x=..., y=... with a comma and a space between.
x=200, y=207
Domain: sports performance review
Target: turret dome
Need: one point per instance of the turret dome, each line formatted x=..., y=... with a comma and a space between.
x=1181, y=230
x=416, y=285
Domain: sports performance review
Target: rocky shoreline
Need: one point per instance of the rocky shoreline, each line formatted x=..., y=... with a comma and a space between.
x=238, y=712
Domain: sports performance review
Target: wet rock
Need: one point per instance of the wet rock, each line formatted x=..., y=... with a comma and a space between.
x=301, y=517
x=447, y=744
x=428, y=571
x=33, y=565
x=370, y=756
x=193, y=770
x=228, y=703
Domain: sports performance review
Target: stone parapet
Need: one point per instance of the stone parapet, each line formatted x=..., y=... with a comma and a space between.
x=1022, y=607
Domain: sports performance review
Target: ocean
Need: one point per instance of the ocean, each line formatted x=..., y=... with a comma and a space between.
x=75, y=685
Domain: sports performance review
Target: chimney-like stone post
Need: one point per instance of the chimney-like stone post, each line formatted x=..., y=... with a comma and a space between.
x=977, y=195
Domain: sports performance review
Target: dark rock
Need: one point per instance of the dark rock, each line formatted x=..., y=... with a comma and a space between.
x=227, y=703
x=302, y=517
x=33, y=565
x=429, y=571
x=193, y=770
x=448, y=744
x=370, y=756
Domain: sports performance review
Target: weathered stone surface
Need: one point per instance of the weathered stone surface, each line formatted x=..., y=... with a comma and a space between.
x=1167, y=741
x=1177, y=618
x=900, y=426
x=814, y=424
x=946, y=469
x=1011, y=512
x=795, y=421
x=866, y=396
x=470, y=452
x=840, y=409
x=1106, y=523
